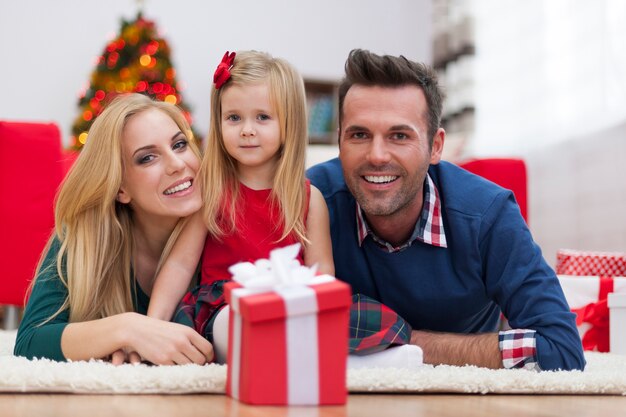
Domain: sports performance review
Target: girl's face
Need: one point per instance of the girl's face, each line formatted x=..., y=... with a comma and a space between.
x=159, y=168
x=250, y=128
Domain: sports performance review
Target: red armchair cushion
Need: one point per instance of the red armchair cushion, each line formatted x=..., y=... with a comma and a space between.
x=509, y=173
x=30, y=172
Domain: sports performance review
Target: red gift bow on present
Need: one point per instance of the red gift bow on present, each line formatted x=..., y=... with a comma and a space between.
x=597, y=315
x=222, y=73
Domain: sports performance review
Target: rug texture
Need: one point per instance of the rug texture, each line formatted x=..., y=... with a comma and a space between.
x=605, y=374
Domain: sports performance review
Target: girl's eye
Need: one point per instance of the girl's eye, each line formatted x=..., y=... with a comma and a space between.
x=233, y=118
x=180, y=144
x=263, y=117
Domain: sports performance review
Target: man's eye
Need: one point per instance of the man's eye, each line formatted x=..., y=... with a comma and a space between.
x=400, y=136
x=359, y=135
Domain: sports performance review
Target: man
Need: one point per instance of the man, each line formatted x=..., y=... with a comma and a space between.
x=445, y=249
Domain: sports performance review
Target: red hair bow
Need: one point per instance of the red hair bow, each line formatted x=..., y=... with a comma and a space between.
x=222, y=73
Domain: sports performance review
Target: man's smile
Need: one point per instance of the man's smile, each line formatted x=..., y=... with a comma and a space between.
x=380, y=179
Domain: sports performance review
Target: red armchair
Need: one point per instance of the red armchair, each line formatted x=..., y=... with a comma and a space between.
x=31, y=169
x=506, y=172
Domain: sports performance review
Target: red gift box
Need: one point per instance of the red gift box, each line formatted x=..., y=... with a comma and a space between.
x=288, y=346
x=573, y=262
x=587, y=297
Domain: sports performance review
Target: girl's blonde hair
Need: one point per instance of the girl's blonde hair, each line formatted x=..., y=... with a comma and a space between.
x=219, y=172
x=95, y=230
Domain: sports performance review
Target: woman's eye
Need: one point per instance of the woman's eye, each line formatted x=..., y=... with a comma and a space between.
x=145, y=159
x=181, y=144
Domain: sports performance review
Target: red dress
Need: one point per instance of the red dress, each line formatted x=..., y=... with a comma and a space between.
x=259, y=228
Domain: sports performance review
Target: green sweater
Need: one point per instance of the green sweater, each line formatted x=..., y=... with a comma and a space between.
x=48, y=294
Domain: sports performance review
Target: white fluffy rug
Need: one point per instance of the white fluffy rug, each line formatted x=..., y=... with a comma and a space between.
x=605, y=374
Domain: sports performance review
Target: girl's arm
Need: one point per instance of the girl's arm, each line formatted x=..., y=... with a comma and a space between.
x=178, y=269
x=319, y=251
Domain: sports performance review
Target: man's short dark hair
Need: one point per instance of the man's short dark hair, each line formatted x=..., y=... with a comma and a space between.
x=368, y=69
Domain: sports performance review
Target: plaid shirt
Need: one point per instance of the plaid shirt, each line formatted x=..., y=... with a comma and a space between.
x=518, y=346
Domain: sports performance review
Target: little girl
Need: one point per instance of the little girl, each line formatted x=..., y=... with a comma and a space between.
x=256, y=196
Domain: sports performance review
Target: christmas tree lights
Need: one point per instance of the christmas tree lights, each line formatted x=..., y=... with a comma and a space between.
x=137, y=60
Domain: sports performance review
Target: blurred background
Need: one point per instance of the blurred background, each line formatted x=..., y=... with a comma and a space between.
x=540, y=80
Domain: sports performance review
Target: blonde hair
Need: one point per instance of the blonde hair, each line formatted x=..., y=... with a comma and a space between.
x=94, y=230
x=219, y=172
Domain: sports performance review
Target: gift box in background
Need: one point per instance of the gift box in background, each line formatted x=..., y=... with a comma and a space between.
x=288, y=342
x=587, y=298
x=574, y=262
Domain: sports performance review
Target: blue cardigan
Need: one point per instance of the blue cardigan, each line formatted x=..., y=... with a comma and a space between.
x=491, y=265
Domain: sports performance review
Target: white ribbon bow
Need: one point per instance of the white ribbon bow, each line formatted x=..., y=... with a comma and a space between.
x=281, y=270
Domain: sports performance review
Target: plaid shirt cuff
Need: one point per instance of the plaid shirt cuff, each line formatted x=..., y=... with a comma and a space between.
x=519, y=349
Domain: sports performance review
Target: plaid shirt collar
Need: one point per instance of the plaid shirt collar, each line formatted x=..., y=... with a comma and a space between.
x=428, y=229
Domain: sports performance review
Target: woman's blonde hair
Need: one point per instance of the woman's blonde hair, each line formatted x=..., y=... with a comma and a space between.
x=219, y=172
x=94, y=230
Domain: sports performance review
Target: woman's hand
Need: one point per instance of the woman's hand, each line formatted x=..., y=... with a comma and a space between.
x=120, y=357
x=163, y=343
x=132, y=337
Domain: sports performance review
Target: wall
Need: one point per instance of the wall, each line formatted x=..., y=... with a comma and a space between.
x=47, y=49
x=578, y=193
x=546, y=71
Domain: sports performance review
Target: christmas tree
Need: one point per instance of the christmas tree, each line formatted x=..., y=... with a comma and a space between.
x=137, y=60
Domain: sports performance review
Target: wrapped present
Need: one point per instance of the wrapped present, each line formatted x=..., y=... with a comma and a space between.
x=587, y=297
x=573, y=262
x=288, y=333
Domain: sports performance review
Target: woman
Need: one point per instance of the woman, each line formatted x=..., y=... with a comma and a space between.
x=117, y=214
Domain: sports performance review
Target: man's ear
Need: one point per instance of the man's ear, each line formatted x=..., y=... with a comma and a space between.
x=123, y=197
x=437, y=148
